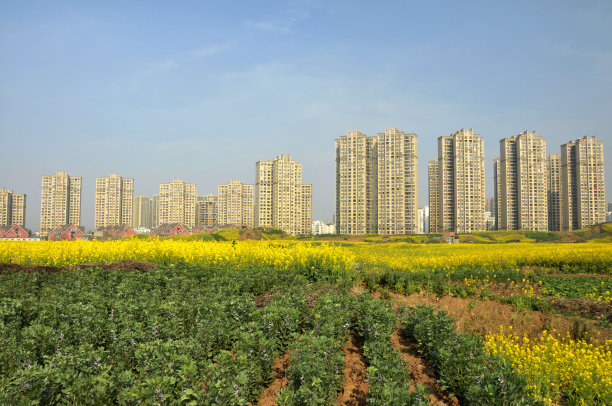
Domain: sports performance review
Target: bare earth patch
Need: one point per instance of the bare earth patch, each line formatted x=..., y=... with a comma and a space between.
x=485, y=316
x=421, y=372
x=268, y=396
x=355, y=390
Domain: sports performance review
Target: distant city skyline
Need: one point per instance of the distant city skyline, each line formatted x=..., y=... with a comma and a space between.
x=202, y=91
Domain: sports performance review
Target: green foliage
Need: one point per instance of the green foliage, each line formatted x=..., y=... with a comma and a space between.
x=464, y=368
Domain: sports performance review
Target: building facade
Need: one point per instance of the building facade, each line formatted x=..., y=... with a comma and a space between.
x=376, y=183
x=397, y=182
x=235, y=204
x=114, y=201
x=323, y=227
x=356, y=203
x=460, y=182
x=434, y=197
x=522, y=183
x=60, y=201
x=582, y=183
x=177, y=203
x=142, y=212
x=553, y=173
x=281, y=199
x=12, y=208
x=207, y=212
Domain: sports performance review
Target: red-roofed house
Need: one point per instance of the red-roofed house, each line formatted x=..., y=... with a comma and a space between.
x=14, y=231
x=66, y=232
x=118, y=231
x=168, y=230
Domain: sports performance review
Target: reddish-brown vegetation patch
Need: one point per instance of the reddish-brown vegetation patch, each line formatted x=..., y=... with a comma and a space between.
x=355, y=390
x=421, y=372
x=485, y=316
x=268, y=396
x=126, y=265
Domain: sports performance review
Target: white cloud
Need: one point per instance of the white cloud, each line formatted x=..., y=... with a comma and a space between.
x=162, y=67
x=208, y=51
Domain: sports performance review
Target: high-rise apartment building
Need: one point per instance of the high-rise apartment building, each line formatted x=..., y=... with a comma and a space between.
x=114, y=200
x=521, y=182
x=461, y=183
x=12, y=208
x=177, y=203
x=235, y=204
x=553, y=170
x=397, y=182
x=434, y=196
x=356, y=184
x=281, y=200
x=155, y=208
x=207, y=211
x=142, y=212
x=60, y=201
x=582, y=183
x=376, y=183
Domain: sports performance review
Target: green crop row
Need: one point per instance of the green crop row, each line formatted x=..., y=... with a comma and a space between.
x=388, y=376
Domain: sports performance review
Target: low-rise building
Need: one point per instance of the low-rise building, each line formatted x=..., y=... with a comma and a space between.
x=170, y=229
x=66, y=232
x=114, y=232
x=323, y=227
x=14, y=231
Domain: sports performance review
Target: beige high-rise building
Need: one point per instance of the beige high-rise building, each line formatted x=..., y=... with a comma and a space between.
x=142, y=212
x=356, y=184
x=461, y=182
x=60, y=201
x=582, y=184
x=114, y=201
x=522, y=184
x=281, y=200
x=434, y=196
x=235, y=204
x=207, y=211
x=177, y=203
x=554, y=192
x=12, y=208
x=376, y=183
x=397, y=182
x=496, y=191
x=155, y=208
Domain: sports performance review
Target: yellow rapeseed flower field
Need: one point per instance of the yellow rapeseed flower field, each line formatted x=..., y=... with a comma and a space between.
x=242, y=254
x=555, y=365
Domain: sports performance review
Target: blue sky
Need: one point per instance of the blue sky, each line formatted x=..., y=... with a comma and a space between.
x=202, y=90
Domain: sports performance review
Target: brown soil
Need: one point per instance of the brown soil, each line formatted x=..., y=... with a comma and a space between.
x=268, y=396
x=355, y=390
x=486, y=316
x=421, y=372
x=583, y=307
x=126, y=265
x=263, y=300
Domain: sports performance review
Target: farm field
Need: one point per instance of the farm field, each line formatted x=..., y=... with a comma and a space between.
x=304, y=322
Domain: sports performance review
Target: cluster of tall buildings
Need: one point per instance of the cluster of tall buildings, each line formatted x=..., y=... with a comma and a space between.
x=277, y=199
x=376, y=184
x=376, y=191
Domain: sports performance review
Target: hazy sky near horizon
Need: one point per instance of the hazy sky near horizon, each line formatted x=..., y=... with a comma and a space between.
x=202, y=90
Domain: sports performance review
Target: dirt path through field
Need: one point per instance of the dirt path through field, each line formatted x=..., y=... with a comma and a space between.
x=268, y=396
x=355, y=390
x=421, y=372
